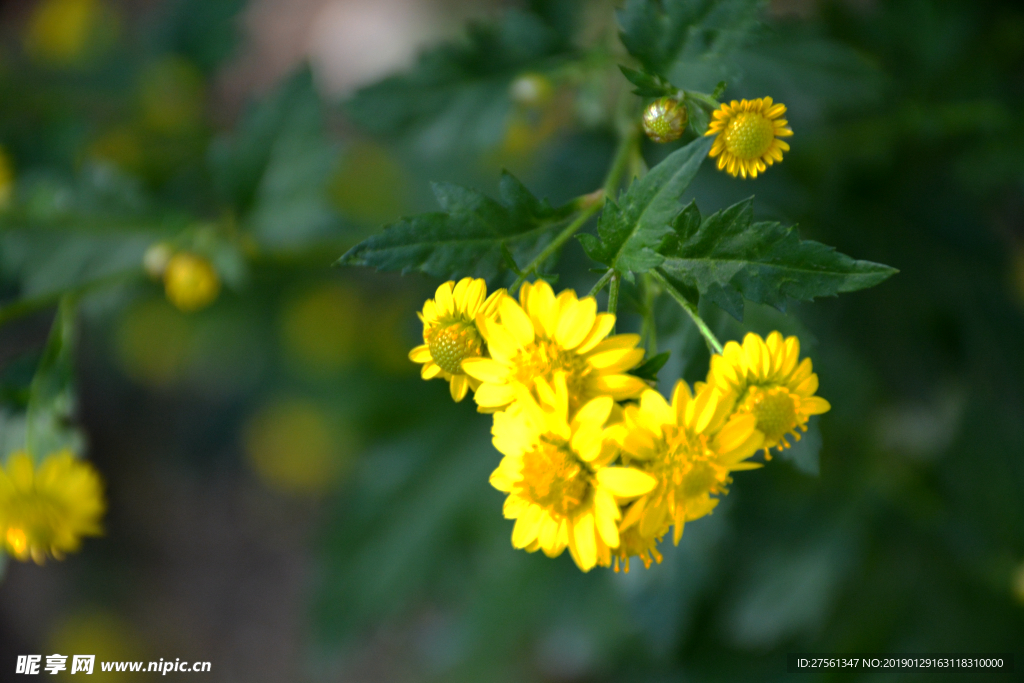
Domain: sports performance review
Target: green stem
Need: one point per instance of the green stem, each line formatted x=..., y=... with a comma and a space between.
x=20, y=309
x=555, y=244
x=714, y=345
x=706, y=100
x=591, y=202
x=650, y=329
x=613, y=294
x=599, y=285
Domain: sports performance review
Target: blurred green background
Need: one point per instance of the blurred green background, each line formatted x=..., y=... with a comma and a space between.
x=289, y=501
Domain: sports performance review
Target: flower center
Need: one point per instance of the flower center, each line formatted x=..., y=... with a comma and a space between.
x=774, y=409
x=749, y=135
x=452, y=343
x=691, y=462
x=553, y=477
x=543, y=359
x=17, y=541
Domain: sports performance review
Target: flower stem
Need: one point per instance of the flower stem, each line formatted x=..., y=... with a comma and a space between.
x=613, y=292
x=714, y=345
x=599, y=285
x=23, y=307
x=591, y=203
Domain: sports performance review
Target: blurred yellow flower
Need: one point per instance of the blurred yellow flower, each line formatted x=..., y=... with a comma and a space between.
x=451, y=332
x=319, y=328
x=370, y=185
x=632, y=544
x=1018, y=583
x=104, y=634
x=562, y=490
x=690, y=447
x=296, y=448
x=768, y=383
x=544, y=335
x=190, y=281
x=154, y=343
x=6, y=179
x=46, y=510
x=68, y=32
x=748, y=136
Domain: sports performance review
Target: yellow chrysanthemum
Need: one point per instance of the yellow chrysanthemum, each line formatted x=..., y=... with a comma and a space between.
x=543, y=335
x=632, y=544
x=690, y=448
x=190, y=282
x=450, y=332
x=562, y=490
x=768, y=382
x=46, y=510
x=748, y=136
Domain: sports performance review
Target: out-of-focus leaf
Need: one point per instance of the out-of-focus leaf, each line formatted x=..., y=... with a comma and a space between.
x=647, y=85
x=468, y=238
x=276, y=168
x=457, y=94
x=206, y=31
x=728, y=257
x=48, y=421
x=687, y=42
x=630, y=230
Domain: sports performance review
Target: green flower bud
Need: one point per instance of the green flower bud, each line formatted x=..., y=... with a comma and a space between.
x=665, y=120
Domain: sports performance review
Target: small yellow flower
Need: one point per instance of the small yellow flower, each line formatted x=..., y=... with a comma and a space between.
x=690, y=447
x=748, y=136
x=768, y=383
x=451, y=334
x=543, y=335
x=562, y=490
x=46, y=510
x=632, y=544
x=190, y=281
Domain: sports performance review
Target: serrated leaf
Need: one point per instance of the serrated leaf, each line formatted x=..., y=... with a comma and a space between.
x=650, y=367
x=457, y=93
x=646, y=84
x=468, y=238
x=728, y=257
x=687, y=42
x=630, y=230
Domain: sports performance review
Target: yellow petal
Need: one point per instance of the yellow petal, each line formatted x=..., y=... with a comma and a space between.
x=494, y=395
x=595, y=413
x=527, y=527
x=807, y=387
x=502, y=480
x=515, y=320
x=459, y=293
x=815, y=405
x=430, y=370
x=459, y=386
x=576, y=323
x=606, y=514
x=443, y=299
x=619, y=387
x=625, y=482
x=486, y=370
x=681, y=396
x=420, y=354
x=616, y=360
x=584, y=542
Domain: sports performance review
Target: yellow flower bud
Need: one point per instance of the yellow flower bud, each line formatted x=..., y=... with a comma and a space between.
x=190, y=281
x=665, y=120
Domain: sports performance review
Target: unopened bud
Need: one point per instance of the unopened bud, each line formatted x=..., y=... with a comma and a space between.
x=531, y=90
x=665, y=120
x=190, y=281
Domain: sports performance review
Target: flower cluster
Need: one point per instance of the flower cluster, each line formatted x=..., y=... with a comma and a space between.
x=595, y=461
x=46, y=509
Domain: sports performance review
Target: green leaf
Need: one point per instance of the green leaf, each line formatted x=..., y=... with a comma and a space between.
x=647, y=85
x=468, y=238
x=630, y=231
x=48, y=420
x=650, y=367
x=728, y=257
x=276, y=168
x=687, y=42
x=457, y=96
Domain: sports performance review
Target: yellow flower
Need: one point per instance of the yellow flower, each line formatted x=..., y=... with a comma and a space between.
x=690, y=448
x=748, y=136
x=543, y=335
x=562, y=490
x=768, y=383
x=45, y=510
x=451, y=334
x=190, y=281
x=632, y=544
